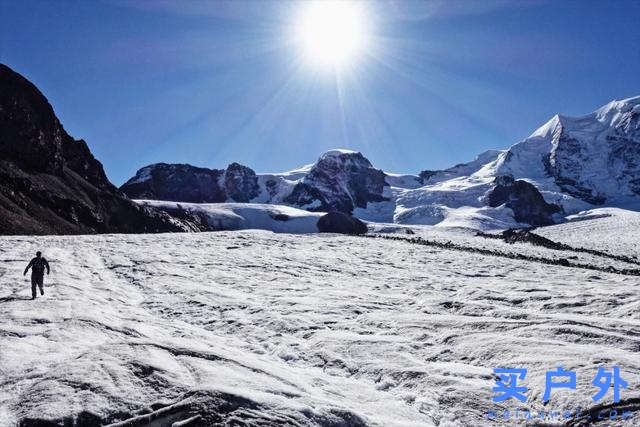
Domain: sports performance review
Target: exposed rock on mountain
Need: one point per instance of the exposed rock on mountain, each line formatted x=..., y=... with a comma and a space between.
x=341, y=180
x=241, y=183
x=50, y=183
x=523, y=199
x=177, y=182
x=186, y=183
x=339, y=222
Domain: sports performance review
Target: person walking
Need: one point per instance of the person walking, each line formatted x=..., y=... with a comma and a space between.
x=37, y=266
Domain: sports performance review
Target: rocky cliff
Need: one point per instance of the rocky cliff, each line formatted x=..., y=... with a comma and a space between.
x=523, y=199
x=177, y=182
x=50, y=183
x=341, y=180
x=186, y=183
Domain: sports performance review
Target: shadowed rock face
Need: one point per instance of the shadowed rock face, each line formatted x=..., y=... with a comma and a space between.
x=50, y=183
x=619, y=154
x=177, y=182
x=523, y=199
x=338, y=222
x=241, y=183
x=30, y=134
x=563, y=163
x=33, y=139
x=339, y=181
x=424, y=175
x=186, y=183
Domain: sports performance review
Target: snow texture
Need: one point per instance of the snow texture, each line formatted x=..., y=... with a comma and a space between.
x=612, y=229
x=280, y=329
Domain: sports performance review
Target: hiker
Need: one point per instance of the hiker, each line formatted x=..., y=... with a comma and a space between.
x=37, y=266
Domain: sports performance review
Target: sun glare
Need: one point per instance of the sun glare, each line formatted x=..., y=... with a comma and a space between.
x=332, y=33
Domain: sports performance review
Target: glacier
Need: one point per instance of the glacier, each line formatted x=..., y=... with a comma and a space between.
x=263, y=328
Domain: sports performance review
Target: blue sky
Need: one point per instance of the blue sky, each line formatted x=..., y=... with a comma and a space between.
x=209, y=83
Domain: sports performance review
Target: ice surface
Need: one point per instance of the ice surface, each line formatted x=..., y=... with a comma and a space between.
x=244, y=216
x=611, y=229
x=336, y=152
x=295, y=174
x=303, y=329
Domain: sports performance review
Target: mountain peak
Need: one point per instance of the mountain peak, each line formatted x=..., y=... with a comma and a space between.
x=337, y=152
x=548, y=128
x=613, y=111
x=609, y=114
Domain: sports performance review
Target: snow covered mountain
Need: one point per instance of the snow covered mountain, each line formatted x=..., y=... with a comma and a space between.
x=594, y=158
x=340, y=180
x=575, y=163
x=51, y=183
x=566, y=166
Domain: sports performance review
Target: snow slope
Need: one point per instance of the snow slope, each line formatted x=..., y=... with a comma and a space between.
x=592, y=158
x=278, y=329
x=575, y=162
x=243, y=216
x=612, y=229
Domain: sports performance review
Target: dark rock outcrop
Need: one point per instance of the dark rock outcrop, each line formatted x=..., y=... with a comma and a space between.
x=424, y=175
x=558, y=164
x=523, y=199
x=339, y=222
x=186, y=183
x=241, y=183
x=525, y=235
x=178, y=183
x=50, y=183
x=339, y=181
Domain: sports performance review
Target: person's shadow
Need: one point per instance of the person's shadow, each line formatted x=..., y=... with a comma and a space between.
x=13, y=298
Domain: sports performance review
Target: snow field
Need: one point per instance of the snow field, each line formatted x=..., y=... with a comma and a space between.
x=299, y=329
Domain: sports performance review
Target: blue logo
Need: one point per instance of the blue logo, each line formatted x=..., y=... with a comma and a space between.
x=507, y=383
x=510, y=384
x=550, y=383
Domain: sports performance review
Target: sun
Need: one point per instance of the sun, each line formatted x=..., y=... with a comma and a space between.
x=332, y=33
